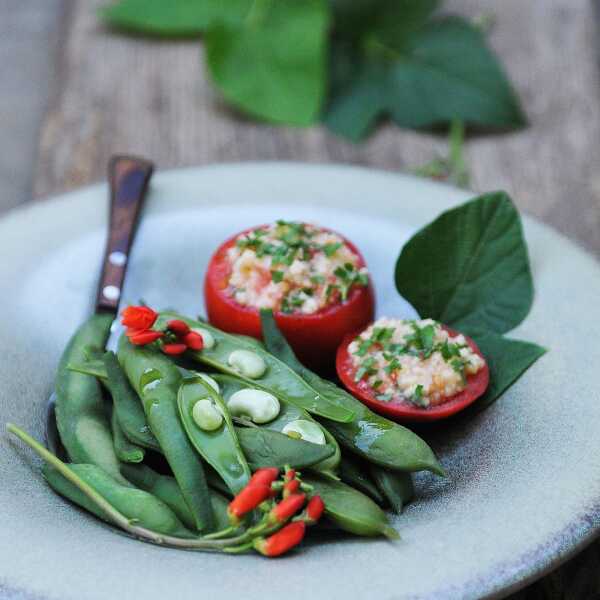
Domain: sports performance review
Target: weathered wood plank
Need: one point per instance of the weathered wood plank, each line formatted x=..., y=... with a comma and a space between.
x=135, y=95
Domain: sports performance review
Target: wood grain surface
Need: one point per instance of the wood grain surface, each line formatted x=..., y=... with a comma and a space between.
x=123, y=94
x=131, y=95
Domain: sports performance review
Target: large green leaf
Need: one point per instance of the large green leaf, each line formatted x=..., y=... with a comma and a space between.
x=470, y=267
x=272, y=66
x=173, y=18
x=507, y=359
x=389, y=20
x=424, y=76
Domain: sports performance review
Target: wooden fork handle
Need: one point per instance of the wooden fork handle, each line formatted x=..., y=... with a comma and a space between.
x=128, y=178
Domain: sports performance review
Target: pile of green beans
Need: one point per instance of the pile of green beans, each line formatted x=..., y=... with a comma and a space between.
x=139, y=453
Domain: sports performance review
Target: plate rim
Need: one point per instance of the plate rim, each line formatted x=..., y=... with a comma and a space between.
x=567, y=543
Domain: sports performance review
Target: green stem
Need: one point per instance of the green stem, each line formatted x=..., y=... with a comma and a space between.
x=117, y=517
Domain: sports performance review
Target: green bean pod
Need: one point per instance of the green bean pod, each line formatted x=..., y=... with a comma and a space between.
x=127, y=405
x=288, y=413
x=357, y=476
x=156, y=380
x=165, y=488
x=369, y=435
x=350, y=509
x=269, y=448
x=396, y=486
x=278, y=378
x=126, y=451
x=219, y=448
x=147, y=510
x=81, y=415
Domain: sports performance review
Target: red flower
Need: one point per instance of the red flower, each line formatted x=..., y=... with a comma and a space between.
x=287, y=508
x=138, y=317
x=248, y=499
x=193, y=341
x=264, y=476
x=314, y=510
x=174, y=349
x=141, y=338
x=282, y=541
x=291, y=487
x=178, y=327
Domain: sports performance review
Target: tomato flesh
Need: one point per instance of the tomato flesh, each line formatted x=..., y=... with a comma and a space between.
x=400, y=411
x=314, y=337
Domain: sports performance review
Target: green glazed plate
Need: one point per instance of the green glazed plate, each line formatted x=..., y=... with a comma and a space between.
x=523, y=492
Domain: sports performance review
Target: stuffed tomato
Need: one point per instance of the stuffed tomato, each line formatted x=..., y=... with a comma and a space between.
x=412, y=370
x=315, y=281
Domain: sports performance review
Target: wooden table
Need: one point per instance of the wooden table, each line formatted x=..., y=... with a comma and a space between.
x=110, y=93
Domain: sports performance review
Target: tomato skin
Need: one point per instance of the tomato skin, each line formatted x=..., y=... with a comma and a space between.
x=314, y=337
x=476, y=386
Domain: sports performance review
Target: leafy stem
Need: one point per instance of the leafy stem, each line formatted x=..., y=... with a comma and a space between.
x=128, y=525
x=452, y=167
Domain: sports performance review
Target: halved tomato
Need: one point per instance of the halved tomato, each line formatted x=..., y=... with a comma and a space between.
x=314, y=337
x=400, y=411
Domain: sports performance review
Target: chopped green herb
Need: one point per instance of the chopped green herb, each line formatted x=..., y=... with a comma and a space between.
x=277, y=276
x=331, y=249
x=385, y=397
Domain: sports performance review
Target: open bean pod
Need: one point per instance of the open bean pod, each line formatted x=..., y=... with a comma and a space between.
x=369, y=435
x=220, y=446
x=288, y=413
x=235, y=356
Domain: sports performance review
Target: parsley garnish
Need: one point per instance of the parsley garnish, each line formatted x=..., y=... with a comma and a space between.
x=277, y=276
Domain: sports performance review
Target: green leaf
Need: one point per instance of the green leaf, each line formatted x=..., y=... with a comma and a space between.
x=470, y=267
x=391, y=19
x=507, y=359
x=273, y=65
x=427, y=76
x=172, y=18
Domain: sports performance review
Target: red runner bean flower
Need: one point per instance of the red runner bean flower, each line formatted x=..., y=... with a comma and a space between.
x=248, y=499
x=193, y=341
x=314, y=510
x=138, y=317
x=174, y=349
x=291, y=487
x=178, y=327
x=282, y=541
x=287, y=508
x=265, y=476
x=141, y=338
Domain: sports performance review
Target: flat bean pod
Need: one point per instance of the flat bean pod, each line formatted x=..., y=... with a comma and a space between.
x=156, y=380
x=81, y=415
x=220, y=447
x=147, y=510
x=369, y=435
x=357, y=476
x=288, y=413
x=165, y=488
x=126, y=451
x=269, y=448
x=127, y=404
x=277, y=377
x=350, y=509
x=396, y=486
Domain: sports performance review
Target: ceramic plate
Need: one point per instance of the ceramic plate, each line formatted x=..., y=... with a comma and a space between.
x=523, y=491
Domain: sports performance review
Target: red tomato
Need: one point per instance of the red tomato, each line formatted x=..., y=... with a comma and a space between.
x=314, y=337
x=400, y=411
